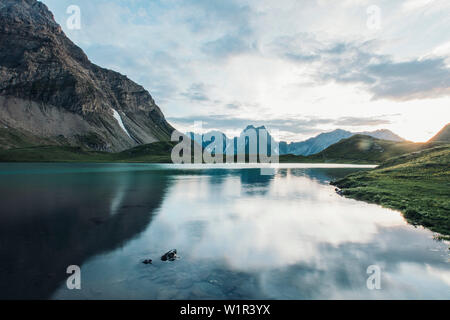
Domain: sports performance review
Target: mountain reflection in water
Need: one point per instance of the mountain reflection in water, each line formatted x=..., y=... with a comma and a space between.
x=239, y=235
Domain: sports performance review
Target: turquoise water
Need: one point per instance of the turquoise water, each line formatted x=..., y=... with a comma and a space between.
x=239, y=235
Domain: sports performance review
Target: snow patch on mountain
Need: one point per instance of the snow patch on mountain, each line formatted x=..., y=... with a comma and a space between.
x=119, y=120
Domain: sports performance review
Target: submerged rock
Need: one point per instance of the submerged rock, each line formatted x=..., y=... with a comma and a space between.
x=170, y=255
x=147, y=261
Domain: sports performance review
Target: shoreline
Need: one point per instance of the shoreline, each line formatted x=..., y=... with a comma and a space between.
x=417, y=185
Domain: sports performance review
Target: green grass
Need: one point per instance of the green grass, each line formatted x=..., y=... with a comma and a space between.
x=158, y=152
x=290, y=158
x=358, y=149
x=12, y=138
x=417, y=184
x=443, y=135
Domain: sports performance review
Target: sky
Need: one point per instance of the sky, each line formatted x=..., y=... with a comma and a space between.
x=299, y=67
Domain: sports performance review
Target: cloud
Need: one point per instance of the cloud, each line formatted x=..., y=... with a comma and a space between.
x=196, y=93
x=232, y=14
x=228, y=45
x=415, y=79
x=168, y=39
x=302, y=60
x=221, y=122
x=410, y=5
x=300, y=48
x=361, y=121
x=381, y=75
x=233, y=106
x=291, y=126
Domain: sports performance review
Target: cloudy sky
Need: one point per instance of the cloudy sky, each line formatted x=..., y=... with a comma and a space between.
x=300, y=67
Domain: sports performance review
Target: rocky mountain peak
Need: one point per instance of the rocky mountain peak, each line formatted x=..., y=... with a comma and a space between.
x=32, y=13
x=45, y=79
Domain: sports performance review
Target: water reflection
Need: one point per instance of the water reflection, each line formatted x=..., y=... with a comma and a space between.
x=239, y=234
x=49, y=222
x=254, y=183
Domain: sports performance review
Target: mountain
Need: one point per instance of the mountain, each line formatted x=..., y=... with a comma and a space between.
x=382, y=134
x=232, y=145
x=365, y=149
x=205, y=139
x=316, y=144
x=308, y=147
x=49, y=90
x=262, y=136
x=443, y=135
x=324, y=140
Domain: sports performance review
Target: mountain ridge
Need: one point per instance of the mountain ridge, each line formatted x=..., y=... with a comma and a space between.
x=46, y=81
x=366, y=148
x=307, y=147
x=443, y=135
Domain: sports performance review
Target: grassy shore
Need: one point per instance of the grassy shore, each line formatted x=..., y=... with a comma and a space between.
x=158, y=152
x=417, y=184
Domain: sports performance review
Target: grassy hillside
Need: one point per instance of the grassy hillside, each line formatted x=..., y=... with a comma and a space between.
x=418, y=184
x=443, y=135
x=359, y=149
x=158, y=152
x=12, y=138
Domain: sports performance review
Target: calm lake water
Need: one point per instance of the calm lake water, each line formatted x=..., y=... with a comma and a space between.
x=239, y=235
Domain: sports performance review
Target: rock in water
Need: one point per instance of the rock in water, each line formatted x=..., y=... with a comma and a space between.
x=50, y=90
x=147, y=261
x=170, y=256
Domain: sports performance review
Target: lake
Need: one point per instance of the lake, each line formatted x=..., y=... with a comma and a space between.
x=239, y=234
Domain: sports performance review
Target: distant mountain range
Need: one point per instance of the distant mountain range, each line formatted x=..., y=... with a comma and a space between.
x=239, y=145
x=305, y=148
x=315, y=144
x=324, y=140
x=362, y=148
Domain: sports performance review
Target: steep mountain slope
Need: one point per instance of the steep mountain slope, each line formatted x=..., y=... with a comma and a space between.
x=50, y=89
x=443, y=135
